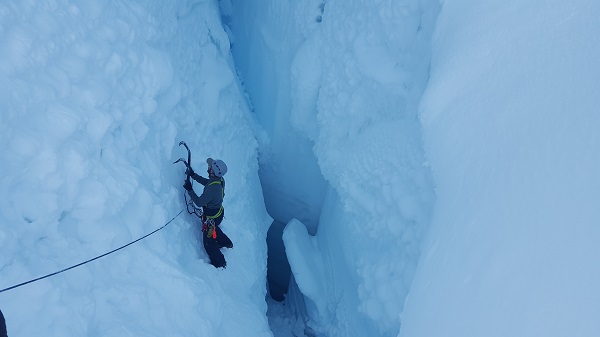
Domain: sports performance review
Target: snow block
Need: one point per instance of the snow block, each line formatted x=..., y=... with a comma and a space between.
x=305, y=260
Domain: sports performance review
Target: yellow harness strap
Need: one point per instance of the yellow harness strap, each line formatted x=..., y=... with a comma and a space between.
x=221, y=208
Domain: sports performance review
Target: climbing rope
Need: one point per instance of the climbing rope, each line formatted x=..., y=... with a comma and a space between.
x=192, y=208
x=90, y=260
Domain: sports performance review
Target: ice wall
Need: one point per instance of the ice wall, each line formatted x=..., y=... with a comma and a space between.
x=511, y=125
x=94, y=98
x=344, y=78
x=265, y=38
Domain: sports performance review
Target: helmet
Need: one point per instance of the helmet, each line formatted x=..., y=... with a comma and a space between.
x=217, y=166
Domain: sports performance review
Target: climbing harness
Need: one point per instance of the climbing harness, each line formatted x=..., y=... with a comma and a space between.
x=95, y=258
x=219, y=182
x=210, y=219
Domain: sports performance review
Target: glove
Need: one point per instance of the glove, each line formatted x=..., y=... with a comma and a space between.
x=187, y=185
x=190, y=171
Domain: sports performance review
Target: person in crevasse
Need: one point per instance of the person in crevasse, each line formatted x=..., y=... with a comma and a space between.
x=211, y=201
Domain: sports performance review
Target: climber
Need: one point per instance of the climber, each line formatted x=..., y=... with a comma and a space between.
x=211, y=202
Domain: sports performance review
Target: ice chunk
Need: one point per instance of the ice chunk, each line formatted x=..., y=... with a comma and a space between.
x=307, y=266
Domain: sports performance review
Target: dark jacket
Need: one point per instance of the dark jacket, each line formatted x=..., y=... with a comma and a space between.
x=211, y=198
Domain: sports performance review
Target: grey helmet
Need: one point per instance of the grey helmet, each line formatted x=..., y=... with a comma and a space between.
x=217, y=166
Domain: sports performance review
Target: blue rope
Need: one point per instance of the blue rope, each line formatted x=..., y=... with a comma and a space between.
x=90, y=260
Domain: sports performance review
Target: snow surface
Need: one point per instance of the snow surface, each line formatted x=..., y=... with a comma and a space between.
x=95, y=96
x=434, y=182
x=511, y=121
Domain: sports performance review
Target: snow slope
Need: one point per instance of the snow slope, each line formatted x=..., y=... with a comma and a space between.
x=94, y=98
x=488, y=228
x=511, y=125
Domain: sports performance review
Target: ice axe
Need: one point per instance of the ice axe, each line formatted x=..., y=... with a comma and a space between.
x=187, y=163
x=194, y=210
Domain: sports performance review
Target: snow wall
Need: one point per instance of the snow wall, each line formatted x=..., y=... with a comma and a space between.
x=511, y=120
x=335, y=86
x=94, y=99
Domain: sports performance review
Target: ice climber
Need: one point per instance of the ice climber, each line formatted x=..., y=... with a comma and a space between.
x=211, y=202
